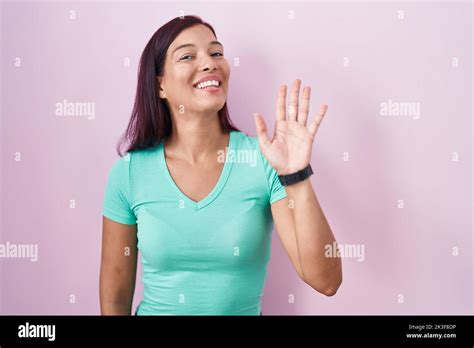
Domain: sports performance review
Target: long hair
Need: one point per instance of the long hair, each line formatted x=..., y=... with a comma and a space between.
x=150, y=121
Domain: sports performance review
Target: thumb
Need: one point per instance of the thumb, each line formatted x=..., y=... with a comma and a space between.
x=261, y=129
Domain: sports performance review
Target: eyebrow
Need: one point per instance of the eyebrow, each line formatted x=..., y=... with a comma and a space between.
x=192, y=45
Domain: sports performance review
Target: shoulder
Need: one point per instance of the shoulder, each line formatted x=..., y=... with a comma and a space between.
x=120, y=165
x=249, y=148
x=246, y=141
x=136, y=160
x=244, y=138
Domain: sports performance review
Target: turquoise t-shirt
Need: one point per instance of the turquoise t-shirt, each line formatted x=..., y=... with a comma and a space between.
x=199, y=258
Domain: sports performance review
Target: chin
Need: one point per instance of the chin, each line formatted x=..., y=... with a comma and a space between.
x=210, y=107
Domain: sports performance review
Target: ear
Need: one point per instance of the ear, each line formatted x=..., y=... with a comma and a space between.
x=161, y=92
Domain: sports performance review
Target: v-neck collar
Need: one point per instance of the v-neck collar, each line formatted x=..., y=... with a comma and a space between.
x=217, y=188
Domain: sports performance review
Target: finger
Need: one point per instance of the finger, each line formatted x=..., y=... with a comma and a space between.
x=261, y=129
x=281, y=103
x=304, y=106
x=293, y=108
x=313, y=128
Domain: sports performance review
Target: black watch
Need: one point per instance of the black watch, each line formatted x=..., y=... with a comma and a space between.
x=293, y=178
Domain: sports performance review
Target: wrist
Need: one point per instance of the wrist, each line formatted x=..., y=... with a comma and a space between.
x=295, y=177
x=290, y=170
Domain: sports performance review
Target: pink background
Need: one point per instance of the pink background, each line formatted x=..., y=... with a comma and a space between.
x=408, y=251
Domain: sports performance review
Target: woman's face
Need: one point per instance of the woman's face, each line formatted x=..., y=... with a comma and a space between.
x=185, y=66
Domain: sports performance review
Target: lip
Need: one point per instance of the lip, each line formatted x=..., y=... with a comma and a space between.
x=209, y=90
x=208, y=78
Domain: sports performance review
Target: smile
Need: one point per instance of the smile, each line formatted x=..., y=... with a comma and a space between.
x=211, y=84
x=209, y=89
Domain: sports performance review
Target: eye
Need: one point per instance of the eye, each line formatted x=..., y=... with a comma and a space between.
x=188, y=55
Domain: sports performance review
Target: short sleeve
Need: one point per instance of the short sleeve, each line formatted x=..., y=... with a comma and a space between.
x=276, y=190
x=116, y=204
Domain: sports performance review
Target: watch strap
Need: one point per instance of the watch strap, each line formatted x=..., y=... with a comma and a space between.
x=293, y=178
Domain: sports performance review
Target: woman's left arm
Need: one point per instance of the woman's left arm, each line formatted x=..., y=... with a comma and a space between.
x=299, y=219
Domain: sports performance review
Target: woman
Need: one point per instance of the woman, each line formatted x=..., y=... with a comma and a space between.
x=198, y=197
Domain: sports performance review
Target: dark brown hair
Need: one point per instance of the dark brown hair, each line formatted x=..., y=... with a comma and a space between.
x=150, y=121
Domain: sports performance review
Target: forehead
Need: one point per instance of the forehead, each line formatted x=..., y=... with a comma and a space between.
x=197, y=34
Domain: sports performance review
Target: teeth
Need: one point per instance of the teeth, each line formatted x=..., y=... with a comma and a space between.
x=207, y=84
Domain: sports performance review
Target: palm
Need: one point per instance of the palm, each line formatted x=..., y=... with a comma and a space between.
x=290, y=148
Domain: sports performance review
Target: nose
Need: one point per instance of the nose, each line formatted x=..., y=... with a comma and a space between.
x=209, y=64
x=210, y=68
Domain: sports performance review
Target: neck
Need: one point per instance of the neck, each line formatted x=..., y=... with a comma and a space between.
x=195, y=138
